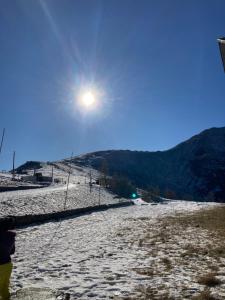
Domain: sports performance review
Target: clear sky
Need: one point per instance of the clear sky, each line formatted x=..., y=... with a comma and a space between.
x=153, y=65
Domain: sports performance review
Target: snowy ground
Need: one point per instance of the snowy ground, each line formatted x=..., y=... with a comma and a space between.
x=51, y=199
x=105, y=255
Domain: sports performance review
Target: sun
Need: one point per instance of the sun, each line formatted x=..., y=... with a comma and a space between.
x=88, y=99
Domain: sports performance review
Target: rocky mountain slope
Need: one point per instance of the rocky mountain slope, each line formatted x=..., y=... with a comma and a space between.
x=194, y=168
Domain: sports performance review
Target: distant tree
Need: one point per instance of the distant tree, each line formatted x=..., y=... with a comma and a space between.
x=147, y=196
x=151, y=193
x=169, y=194
x=155, y=191
x=121, y=186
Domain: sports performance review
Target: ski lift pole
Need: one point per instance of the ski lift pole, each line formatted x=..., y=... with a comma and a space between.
x=13, y=172
x=90, y=182
x=52, y=174
x=99, y=195
x=68, y=181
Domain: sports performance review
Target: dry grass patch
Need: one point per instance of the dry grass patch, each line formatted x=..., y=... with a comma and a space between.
x=209, y=280
x=211, y=250
x=166, y=261
x=214, y=268
x=144, y=271
x=149, y=293
x=194, y=242
x=218, y=251
x=204, y=295
x=212, y=219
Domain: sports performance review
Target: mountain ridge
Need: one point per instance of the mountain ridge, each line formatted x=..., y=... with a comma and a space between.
x=193, y=169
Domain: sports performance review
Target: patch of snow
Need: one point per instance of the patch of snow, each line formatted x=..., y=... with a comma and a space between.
x=139, y=201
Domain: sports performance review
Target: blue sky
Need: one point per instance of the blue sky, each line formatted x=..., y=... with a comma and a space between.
x=156, y=64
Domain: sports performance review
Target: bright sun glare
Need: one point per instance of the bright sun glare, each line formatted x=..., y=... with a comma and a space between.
x=88, y=99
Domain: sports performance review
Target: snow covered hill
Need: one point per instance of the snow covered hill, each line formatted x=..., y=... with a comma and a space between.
x=52, y=198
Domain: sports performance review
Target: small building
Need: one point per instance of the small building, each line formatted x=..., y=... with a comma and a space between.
x=37, y=178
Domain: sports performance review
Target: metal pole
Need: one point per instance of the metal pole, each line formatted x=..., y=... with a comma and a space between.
x=99, y=195
x=3, y=134
x=13, y=174
x=90, y=182
x=68, y=181
x=52, y=173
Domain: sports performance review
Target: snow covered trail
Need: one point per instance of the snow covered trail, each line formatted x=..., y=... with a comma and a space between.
x=34, y=192
x=92, y=256
x=51, y=199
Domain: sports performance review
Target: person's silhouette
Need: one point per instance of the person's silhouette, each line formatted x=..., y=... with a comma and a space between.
x=7, y=247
